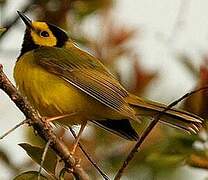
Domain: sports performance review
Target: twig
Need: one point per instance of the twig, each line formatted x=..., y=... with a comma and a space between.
x=156, y=118
x=43, y=158
x=41, y=127
x=9, y=24
x=15, y=127
x=89, y=158
x=183, y=7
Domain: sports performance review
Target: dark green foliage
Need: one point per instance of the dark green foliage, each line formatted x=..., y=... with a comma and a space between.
x=30, y=175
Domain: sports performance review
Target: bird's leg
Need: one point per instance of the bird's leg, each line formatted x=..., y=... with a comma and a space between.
x=50, y=119
x=78, y=138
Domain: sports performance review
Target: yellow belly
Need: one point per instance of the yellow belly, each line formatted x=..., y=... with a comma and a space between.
x=53, y=96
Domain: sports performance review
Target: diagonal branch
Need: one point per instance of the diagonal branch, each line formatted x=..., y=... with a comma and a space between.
x=14, y=128
x=10, y=23
x=149, y=129
x=41, y=127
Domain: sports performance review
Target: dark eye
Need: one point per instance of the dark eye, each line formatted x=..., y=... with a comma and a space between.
x=44, y=34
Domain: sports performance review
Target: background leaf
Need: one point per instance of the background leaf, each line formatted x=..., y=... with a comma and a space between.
x=30, y=175
x=2, y=30
x=35, y=153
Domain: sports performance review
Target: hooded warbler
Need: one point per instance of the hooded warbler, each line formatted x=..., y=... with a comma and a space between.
x=60, y=80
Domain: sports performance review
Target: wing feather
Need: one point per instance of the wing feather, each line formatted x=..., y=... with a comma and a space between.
x=86, y=73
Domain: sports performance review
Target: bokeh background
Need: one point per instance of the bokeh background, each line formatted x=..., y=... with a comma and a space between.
x=158, y=50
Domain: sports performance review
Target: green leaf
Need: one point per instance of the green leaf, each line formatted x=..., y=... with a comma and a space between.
x=2, y=30
x=36, y=153
x=165, y=160
x=84, y=8
x=30, y=175
x=2, y=2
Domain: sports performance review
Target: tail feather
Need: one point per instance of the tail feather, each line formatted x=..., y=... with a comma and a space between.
x=173, y=117
x=121, y=127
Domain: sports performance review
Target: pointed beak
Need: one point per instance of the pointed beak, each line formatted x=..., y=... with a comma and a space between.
x=25, y=19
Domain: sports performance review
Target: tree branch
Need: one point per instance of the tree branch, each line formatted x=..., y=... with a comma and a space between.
x=149, y=129
x=10, y=23
x=41, y=127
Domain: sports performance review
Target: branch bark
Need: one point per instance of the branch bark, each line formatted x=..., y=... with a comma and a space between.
x=41, y=127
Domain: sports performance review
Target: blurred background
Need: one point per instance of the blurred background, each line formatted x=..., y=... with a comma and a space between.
x=157, y=49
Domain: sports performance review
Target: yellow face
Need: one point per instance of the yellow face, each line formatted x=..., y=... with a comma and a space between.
x=42, y=35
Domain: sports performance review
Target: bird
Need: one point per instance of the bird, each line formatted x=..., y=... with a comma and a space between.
x=69, y=86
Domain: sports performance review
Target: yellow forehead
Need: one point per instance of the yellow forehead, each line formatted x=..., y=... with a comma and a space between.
x=40, y=25
x=39, y=40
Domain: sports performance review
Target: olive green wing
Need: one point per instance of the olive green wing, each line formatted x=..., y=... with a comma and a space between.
x=87, y=74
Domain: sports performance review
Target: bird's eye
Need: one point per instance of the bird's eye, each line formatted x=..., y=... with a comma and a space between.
x=44, y=34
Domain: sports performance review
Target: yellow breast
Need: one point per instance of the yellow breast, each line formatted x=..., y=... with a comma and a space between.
x=53, y=96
